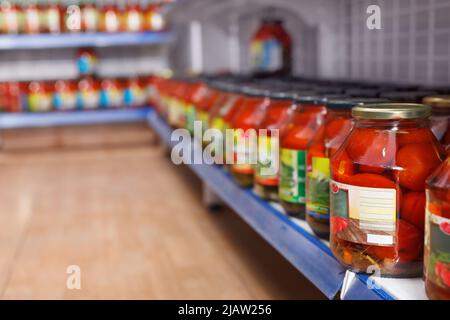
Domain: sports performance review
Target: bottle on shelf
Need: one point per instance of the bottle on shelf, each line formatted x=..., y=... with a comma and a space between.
x=327, y=140
x=308, y=116
x=437, y=234
x=276, y=118
x=109, y=17
x=10, y=14
x=440, y=118
x=377, y=199
x=89, y=16
x=246, y=121
x=271, y=48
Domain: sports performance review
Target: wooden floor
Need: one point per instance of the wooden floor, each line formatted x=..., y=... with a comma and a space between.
x=107, y=200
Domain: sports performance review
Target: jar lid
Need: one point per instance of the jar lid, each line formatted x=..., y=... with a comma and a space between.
x=343, y=103
x=282, y=95
x=254, y=91
x=437, y=101
x=307, y=98
x=391, y=111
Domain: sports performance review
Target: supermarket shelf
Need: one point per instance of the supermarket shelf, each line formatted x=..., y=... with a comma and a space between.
x=308, y=254
x=55, y=119
x=75, y=40
x=294, y=239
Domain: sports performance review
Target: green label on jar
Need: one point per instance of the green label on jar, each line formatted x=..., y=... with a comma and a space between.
x=318, y=187
x=190, y=118
x=437, y=249
x=292, y=175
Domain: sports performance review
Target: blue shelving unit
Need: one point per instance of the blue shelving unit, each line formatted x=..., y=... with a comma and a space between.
x=294, y=239
x=75, y=40
x=67, y=118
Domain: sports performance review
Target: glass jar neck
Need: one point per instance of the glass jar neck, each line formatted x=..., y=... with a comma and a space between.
x=391, y=124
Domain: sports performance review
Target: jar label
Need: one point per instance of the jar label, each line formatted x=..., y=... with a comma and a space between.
x=368, y=214
x=292, y=175
x=266, y=171
x=267, y=55
x=39, y=102
x=318, y=187
x=245, y=152
x=65, y=100
x=437, y=249
x=190, y=117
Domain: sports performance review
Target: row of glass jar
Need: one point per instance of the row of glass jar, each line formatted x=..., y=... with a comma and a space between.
x=64, y=95
x=356, y=167
x=52, y=16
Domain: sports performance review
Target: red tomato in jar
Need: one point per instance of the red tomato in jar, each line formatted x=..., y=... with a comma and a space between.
x=409, y=245
x=298, y=137
x=416, y=162
x=412, y=208
x=372, y=181
x=342, y=167
x=417, y=135
x=372, y=147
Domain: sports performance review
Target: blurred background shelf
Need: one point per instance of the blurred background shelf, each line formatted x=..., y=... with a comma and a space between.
x=68, y=118
x=75, y=40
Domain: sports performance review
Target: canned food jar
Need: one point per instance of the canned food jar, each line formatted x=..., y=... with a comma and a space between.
x=308, y=115
x=338, y=124
x=111, y=94
x=245, y=123
x=377, y=198
x=39, y=97
x=440, y=117
x=109, y=17
x=267, y=168
x=88, y=94
x=437, y=234
x=64, y=95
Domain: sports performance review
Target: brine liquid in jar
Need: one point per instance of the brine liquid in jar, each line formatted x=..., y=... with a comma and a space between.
x=377, y=199
x=437, y=234
x=308, y=115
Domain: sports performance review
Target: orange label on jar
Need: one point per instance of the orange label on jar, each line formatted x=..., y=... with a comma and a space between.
x=369, y=213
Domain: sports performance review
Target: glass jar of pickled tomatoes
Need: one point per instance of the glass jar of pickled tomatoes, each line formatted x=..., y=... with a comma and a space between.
x=221, y=117
x=377, y=198
x=267, y=168
x=338, y=124
x=437, y=234
x=440, y=117
x=245, y=122
x=308, y=115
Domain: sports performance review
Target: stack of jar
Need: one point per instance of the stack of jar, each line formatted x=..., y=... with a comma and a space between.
x=353, y=161
x=52, y=16
x=85, y=94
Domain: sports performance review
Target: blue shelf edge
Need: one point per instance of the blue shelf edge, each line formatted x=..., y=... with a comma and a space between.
x=303, y=250
x=71, y=40
x=67, y=118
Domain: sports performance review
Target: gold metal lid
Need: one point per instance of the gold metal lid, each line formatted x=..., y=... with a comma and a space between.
x=388, y=111
x=437, y=101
